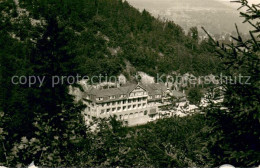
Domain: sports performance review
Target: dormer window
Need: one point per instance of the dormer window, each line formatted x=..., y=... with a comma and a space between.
x=150, y=97
x=158, y=96
x=112, y=97
x=99, y=98
x=88, y=97
x=122, y=96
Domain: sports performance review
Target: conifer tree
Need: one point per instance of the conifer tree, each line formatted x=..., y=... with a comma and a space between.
x=235, y=135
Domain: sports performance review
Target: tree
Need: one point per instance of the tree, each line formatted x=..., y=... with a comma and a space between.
x=193, y=32
x=235, y=135
x=55, y=130
x=194, y=96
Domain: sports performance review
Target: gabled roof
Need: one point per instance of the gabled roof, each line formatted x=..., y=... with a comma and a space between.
x=135, y=86
x=156, y=88
x=178, y=94
x=110, y=91
x=128, y=89
x=152, y=89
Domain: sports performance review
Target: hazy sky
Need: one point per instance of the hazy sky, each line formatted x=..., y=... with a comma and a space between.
x=216, y=15
x=235, y=4
x=227, y=2
x=250, y=1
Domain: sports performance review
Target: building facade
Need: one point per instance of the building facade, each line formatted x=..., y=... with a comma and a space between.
x=133, y=104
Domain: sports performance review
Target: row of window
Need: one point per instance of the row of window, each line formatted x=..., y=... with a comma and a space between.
x=126, y=116
x=138, y=94
x=124, y=108
x=156, y=96
x=110, y=97
x=133, y=115
x=132, y=95
x=122, y=96
x=123, y=102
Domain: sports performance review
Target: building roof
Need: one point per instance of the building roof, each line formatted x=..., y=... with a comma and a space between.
x=152, y=89
x=178, y=94
x=110, y=91
x=155, y=88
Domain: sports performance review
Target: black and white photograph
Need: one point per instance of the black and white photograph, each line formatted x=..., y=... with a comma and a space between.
x=130, y=83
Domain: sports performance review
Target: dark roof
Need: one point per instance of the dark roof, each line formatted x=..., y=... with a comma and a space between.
x=110, y=91
x=152, y=89
x=155, y=88
x=178, y=94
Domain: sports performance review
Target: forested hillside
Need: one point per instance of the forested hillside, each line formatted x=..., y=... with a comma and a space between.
x=92, y=37
x=106, y=33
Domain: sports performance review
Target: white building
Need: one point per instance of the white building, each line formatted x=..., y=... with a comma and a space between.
x=133, y=104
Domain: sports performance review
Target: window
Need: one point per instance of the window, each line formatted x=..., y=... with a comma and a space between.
x=129, y=101
x=129, y=107
x=145, y=112
x=125, y=116
x=99, y=98
x=112, y=97
x=136, y=115
x=150, y=97
x=144, y=104
x=113, y=109
x=134, y=106
x=139, y=99
x=119, y=102
x=118, y=108
x=124, y=108
x=108, y=104
x=114, y=103
x=102, y=111
x=124, y=101
x=134, y=100
x=139, y=105
x=103, y=104
x=87, y=97
x=108, y=110
x=158, y=96
x=122, y=96
x=139, y=93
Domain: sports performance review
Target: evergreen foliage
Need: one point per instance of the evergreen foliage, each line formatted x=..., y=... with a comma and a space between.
x=74, y=37
x=235, y=134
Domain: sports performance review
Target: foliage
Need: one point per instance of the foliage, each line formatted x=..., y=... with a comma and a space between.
x=91, y=37
x=194, y=96
x=167, y=143
x=47, y=121
x=235, y=138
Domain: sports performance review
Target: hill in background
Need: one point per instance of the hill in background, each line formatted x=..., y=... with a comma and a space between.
x=110, y=34
x=217, y=16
